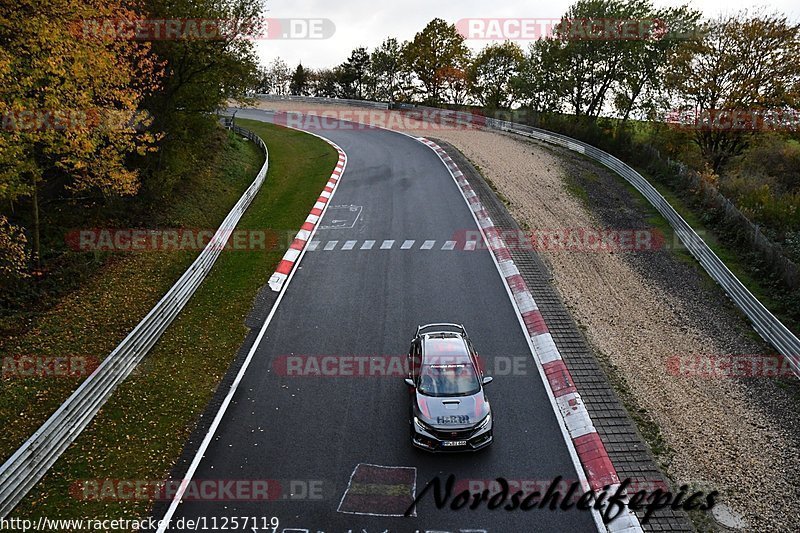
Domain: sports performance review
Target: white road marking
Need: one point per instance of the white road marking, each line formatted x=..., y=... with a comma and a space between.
x=388, y=244
x=342, y=217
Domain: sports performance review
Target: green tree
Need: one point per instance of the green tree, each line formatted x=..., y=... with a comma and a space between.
x=276, y=77
x=642, y=84
x=538, y=86
x=386, y=65
x=592, y=66
x=299, y=83
x=324, y=83
x=202, y=75
x=354, y=73
x=492, y=73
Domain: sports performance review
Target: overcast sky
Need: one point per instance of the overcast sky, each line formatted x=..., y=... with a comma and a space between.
x=369, y=22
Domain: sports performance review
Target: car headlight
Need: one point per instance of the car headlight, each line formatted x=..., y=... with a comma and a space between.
x=486, y=421
x=420, y=424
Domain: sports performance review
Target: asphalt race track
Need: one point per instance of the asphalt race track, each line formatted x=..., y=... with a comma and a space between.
x=309, y=434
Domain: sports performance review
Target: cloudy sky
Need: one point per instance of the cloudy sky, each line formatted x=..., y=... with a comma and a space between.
x=369, y=22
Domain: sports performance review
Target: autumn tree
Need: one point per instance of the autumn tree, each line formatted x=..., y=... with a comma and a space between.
x=433, y=51
x=68, y=98
x=745, y=63
x=455, y=85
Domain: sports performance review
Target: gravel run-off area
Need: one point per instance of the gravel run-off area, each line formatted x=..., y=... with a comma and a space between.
x=642, y=309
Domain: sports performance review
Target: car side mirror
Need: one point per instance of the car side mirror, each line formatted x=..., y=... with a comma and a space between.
x=487, y=380
x=409, y=382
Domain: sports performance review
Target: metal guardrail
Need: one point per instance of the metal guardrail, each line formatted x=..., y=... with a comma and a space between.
x=317, y=100
x=767, y=325
x=35, y=457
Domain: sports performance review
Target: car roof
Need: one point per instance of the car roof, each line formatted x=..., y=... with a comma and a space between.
x=444, y=347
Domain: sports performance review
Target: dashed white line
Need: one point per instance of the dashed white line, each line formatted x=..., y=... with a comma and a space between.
x=388, y=244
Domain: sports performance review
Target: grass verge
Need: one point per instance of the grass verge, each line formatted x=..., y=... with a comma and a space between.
x=142, y=429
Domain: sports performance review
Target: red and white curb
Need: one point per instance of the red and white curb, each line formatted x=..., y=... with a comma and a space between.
x=308, y=228
x=594, y=459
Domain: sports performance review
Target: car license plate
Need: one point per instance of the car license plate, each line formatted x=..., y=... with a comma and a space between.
x=454, y=443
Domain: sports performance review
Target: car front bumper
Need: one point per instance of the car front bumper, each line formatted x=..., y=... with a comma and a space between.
x=427, y=439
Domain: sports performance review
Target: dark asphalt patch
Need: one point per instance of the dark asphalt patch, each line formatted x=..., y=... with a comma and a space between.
x=379, y=490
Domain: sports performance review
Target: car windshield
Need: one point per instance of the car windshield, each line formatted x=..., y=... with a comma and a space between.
x=458, y=379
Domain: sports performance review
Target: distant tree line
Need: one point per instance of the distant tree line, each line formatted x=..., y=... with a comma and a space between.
x=688, y=65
